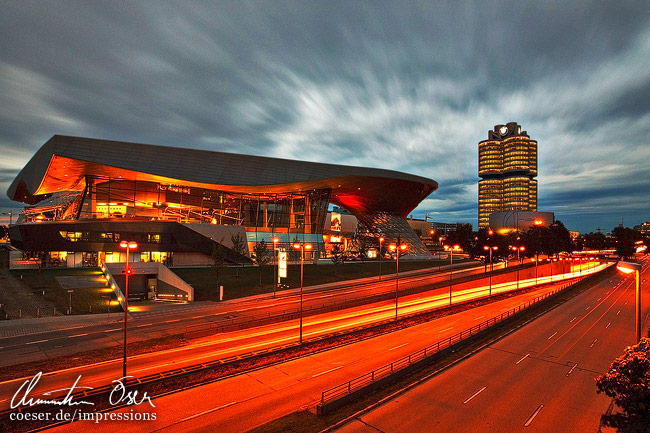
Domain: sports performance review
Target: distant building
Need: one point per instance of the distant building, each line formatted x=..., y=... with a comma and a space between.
x=504, y=222
x=643, y=228
x=507, y=166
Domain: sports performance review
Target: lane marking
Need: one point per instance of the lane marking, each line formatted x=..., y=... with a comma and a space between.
x=37, y=341
x=208, y=411
x=525, y=356
x=571, y=321
x=475, y=394
x=593, y=342
x=598, y=299
x=397, y=347
x=552, y=335
x=445, y=330
x=571, y=371
x=589, y=306
x=111, y=330
x=625, y=303
x=619, y=312
x=608, y=323
x=532, y=417
x=327, y=371
x=78, y=335
x=146, y=324
x=175, y=320
x=479, y=317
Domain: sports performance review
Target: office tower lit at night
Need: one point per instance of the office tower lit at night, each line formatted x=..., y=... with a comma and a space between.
x=507, y=166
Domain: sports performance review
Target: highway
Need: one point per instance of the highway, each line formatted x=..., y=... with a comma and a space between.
x=241, y=402
x=224, y=345
x=144, y=326
x=538, y=379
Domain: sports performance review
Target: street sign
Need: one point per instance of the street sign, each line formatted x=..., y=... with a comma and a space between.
x=282, y=264
x=70, y=290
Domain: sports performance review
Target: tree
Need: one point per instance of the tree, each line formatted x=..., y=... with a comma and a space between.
x=238, y=246
x=628, y=383
x=361, y=245
x=261, y=256
x=337, y=256
x=561, y=238
x=4, y=232
x=462, y=236
x=625, y=241
x=219, y=259
x=418, y=232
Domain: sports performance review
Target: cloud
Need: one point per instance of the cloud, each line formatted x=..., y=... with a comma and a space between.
x=406, y=86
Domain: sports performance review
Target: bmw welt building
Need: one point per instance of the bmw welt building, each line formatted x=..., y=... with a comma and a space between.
x=83, y=196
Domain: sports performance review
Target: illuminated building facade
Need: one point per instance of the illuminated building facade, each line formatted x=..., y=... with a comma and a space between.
x=86, y=195
x=507, y=166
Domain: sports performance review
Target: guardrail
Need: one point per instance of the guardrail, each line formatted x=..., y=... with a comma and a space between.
x=337, y=396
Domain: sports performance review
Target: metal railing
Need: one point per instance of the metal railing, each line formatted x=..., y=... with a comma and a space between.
x=387, y=370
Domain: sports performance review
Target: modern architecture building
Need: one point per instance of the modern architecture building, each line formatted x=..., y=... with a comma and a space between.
x=515, y=220
x=86, y=195
x=507, y=166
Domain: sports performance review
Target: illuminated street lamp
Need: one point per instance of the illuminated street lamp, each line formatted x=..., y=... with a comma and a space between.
x=275, y=265
x=130, y=245
x=521, y=248
x=487, y=248
x=628, y=268
x=398, y=248
x=10, y=215
x=301, y=247
x=451, y=265
x=381, y=241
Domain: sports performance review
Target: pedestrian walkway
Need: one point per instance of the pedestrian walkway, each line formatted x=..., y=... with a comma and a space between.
x=18, y=301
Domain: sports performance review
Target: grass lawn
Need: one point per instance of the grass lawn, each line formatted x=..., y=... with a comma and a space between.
x=84, y=300
x=241, y=282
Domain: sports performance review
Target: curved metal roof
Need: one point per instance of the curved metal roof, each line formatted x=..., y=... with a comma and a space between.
x=62, y=163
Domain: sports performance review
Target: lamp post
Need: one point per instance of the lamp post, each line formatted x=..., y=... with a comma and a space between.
x=398, y=248
x=301, y=247
x=628, y=268
x=10, y=215
x=275, y=265
x=381, y=241
x=127, y=271
x=487, y=248
x=521, y=248
x=451, y=265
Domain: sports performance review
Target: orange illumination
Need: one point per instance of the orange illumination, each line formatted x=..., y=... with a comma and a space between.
x=119, y=299
x=485, y=247
x=296, y=246
x=403, y=247
x=625, y=270
x=495, y=248
x=538, y=222
x=132, y=245
x=276, y=240
x=308, y=246
x=392, y=247
x=432, y=232
x=490, y=232
x=381, y=239
x=440, y=239
x=522, y=248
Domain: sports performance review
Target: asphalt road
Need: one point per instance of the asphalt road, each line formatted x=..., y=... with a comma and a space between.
x=538, y=379
x=242, y=402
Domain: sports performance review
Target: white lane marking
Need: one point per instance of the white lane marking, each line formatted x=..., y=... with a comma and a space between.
x=593, y=342
x=571, y=371
x=4, y=399
x=445, y=330
x=598, y=299
x=78, y=335
x=175, y=320
x=532, y=417
x=625, y=303
x=552, y=335
x=146, y=324
x=588, y=307
x=525, y=356
x=37, y=341
x=327, y=371
x=475, y=394
x=208, y=411
x=571, y=321
x=116, y=329
x=479, y=317
x=397, y=347
x=619, y=312
x=608, y=323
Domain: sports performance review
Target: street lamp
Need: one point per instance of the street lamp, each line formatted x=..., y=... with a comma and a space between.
x=521, y=248
x=381, y=241
x=275, y=265
x=130, y=245
x=487, y=248
x=451, y=265
x=9, y=214
x=628, y=268
x=301, y=247
x=398, y=248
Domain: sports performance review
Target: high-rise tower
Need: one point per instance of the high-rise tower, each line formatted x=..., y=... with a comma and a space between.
x=507, y=165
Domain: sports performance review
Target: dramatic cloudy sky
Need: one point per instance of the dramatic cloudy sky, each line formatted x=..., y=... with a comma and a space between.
x=400, y=85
